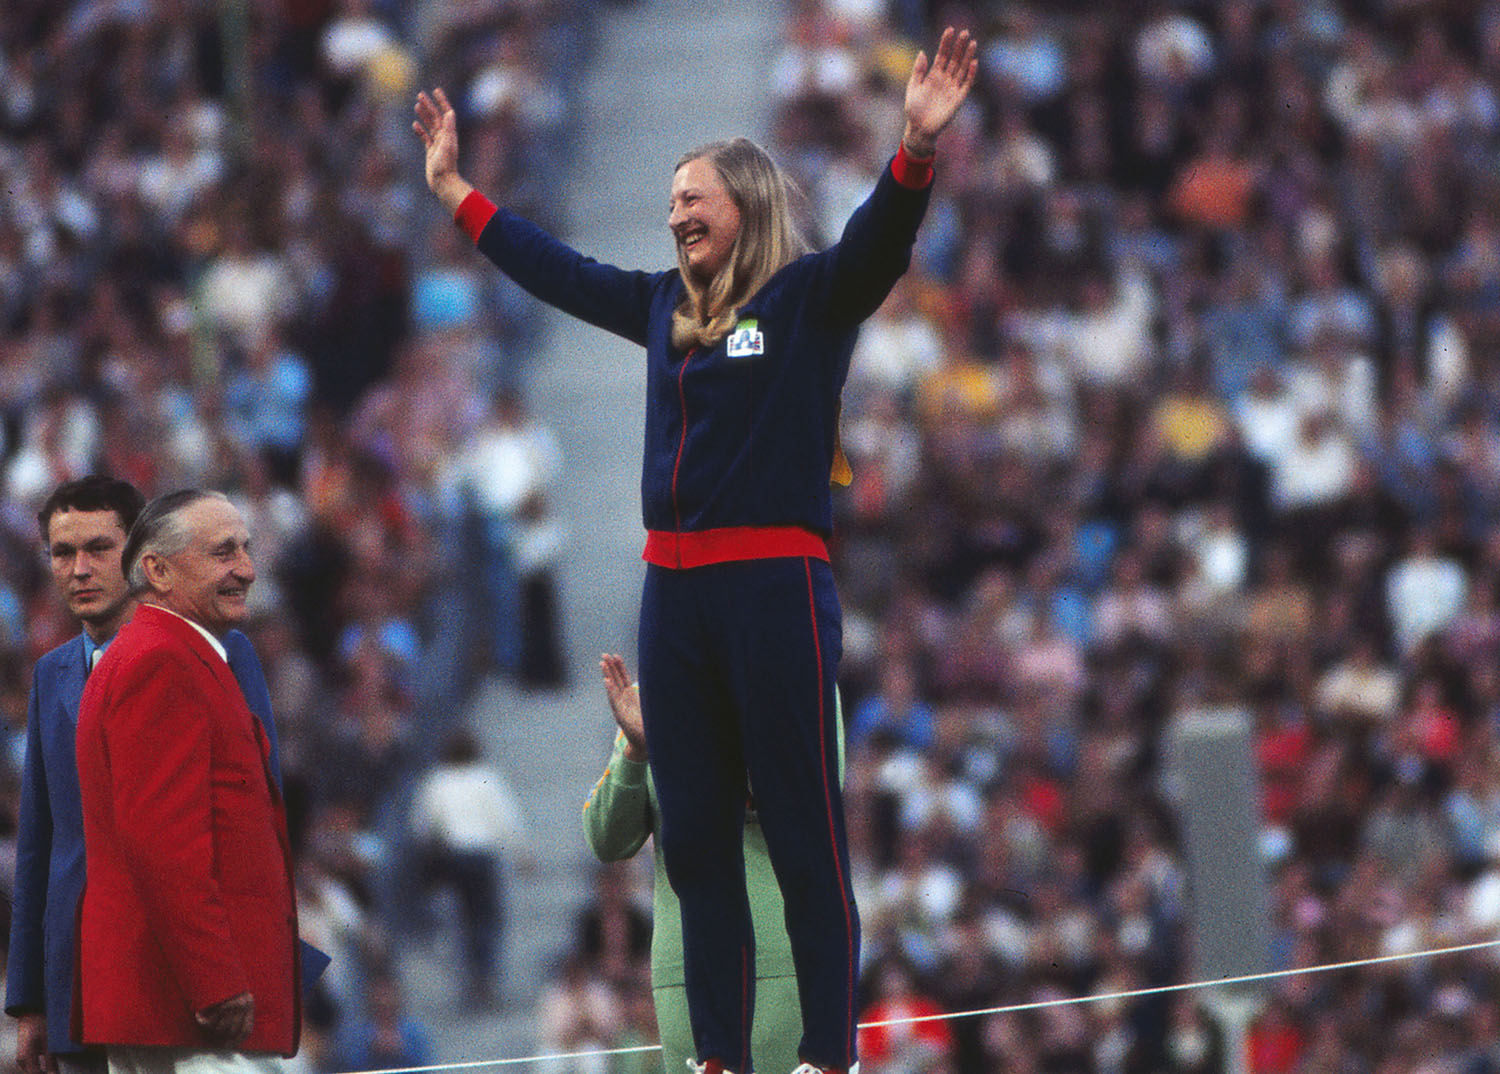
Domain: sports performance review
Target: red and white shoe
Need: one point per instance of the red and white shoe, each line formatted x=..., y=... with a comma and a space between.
x=708, y=1066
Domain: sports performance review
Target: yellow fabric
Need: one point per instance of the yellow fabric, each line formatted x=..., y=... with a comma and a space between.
x=842, y=474
x=961, y=387
x=1192, y=428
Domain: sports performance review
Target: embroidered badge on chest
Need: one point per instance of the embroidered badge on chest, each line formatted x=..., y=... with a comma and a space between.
x=745, y=341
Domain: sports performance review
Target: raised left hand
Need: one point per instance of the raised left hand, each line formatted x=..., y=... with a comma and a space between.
x=437, y=125
x=936, y=89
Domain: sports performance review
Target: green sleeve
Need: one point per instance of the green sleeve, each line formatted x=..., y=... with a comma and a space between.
x=617, y=815
x=838, y=722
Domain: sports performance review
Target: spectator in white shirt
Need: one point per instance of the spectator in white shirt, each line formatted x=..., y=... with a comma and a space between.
x=1424, y=592
x=467, y=820
x=1361, y=689
x=1319, y=469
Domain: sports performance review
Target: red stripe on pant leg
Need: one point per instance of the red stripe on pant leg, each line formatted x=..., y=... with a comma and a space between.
x=833, y=838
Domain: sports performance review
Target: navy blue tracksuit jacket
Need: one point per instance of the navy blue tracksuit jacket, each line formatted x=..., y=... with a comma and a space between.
x=740, y=632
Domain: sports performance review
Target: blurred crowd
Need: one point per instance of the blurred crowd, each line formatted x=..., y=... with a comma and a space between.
x=1191, y=402
x=219, y=266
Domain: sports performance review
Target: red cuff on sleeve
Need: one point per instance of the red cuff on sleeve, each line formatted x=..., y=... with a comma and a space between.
x=473, y=213
x=911, y=172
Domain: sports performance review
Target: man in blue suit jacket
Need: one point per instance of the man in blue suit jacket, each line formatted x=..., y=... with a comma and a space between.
x=84, y=524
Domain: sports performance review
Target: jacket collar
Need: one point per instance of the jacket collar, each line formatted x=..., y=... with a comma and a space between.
x=151, y=616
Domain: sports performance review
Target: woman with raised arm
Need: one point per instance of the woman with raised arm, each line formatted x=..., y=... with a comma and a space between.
x=747, y=346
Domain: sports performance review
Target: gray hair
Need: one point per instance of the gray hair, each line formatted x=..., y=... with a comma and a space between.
x=159, y=530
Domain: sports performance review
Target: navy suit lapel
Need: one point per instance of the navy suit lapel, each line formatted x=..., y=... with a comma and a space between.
x=67, y=687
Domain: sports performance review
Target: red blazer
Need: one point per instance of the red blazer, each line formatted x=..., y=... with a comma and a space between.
x=189, y=897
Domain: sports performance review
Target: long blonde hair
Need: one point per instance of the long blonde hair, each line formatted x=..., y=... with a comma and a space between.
x=768, y=240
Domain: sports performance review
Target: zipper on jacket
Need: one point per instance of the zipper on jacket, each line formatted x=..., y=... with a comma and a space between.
x=681, y=443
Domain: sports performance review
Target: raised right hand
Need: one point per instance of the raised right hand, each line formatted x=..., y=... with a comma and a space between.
x=936, y=89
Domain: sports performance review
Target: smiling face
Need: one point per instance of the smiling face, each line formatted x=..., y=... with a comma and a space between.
x=704, y=219
x=209, y=580
x=83, y=550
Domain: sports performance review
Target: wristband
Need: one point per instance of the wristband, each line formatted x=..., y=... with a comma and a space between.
x=473, y=214
x=911, y=171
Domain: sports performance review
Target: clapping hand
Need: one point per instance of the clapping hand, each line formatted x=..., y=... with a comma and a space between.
x=625, y=704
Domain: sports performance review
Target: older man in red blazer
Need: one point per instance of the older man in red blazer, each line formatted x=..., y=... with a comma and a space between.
x=188, y=925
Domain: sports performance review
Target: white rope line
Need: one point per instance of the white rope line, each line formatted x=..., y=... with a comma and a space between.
x=552, y=1057
x=1010, y=1008
x=1137, y=993
x=521, y=1059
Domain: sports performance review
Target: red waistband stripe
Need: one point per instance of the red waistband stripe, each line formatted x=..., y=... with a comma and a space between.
x=701, y=548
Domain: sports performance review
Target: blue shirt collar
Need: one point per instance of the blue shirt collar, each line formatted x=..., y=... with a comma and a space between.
x=90, y=647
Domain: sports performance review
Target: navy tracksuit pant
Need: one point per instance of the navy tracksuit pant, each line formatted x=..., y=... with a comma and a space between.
x=738, y=664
